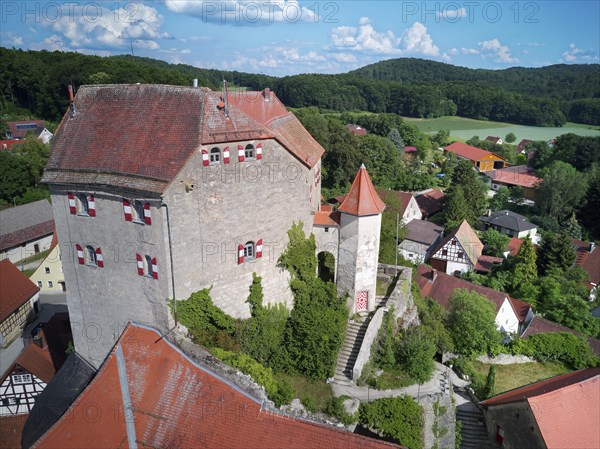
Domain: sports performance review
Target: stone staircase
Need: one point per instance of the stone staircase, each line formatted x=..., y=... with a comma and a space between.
x=355, y=332
x=474, y=434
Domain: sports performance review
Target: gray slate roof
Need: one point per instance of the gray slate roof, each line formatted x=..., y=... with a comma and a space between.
x=422, y=231
x=509, y=220
x=25, y=216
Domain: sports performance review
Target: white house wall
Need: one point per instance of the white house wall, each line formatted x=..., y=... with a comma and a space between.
x=412, y=212
x=22, y=252
x=506, y=320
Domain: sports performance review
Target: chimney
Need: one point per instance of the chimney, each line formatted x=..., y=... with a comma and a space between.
x=592, y=246
x=267, y=94
x=489, y=212
x=434, y=274
x=195, y=83
x=72, y=100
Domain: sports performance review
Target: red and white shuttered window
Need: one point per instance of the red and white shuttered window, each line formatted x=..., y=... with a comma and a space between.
x=80, y=204
x=226, y=155
x=139, y=212
x=250, y=251
x=259, y=152
x=362, y=301
x=147, y=266
x=241, y=154
x=89, y=256
x=499, y=434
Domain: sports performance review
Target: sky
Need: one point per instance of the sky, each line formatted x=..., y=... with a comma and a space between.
x=286, y=37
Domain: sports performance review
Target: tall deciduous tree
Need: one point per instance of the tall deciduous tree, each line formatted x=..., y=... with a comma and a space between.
x=472, y=322
x=562, y=190
x=495, y=242
x=510, y=137
x=415, y=354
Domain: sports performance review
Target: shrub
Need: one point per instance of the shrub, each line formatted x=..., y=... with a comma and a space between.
x=490, y=382
x=400, y=418
x=278, y=390
x=335, y=407
x=562, y=347
x=415, y=354
x=309, y=404
x=204, y=319
x=384, y=354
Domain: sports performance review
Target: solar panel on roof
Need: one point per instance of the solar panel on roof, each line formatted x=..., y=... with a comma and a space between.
x=27, y=125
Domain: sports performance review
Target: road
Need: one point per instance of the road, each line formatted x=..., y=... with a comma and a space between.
x=50, y=304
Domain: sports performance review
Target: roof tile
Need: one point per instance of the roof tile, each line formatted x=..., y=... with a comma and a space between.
x=362, y=198
x=15, y=289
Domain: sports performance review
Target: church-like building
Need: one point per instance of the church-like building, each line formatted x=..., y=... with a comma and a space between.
x=160, y=191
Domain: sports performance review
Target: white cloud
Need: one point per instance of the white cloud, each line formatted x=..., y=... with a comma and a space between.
x=344, y=57
x=574, y=54
x=365, y=39
x=136, y=24
x=452, y=13
x=417, y=40
x=494, y=50
x=463, y=51
x=243, y=12
x=51, y=43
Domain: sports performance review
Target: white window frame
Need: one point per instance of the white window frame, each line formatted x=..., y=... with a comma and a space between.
x=50, y=284
x=19, y=379
x=137, y=212
x=214, y=156
x=83, y=205
x=249, y=152
x=148, y=266
x=249, y=251
x=47, y=270
x=91, y=258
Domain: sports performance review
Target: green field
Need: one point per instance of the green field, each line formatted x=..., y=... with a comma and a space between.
x=465, y=128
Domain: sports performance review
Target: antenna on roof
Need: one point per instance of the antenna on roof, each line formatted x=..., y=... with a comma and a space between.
x=225, y=99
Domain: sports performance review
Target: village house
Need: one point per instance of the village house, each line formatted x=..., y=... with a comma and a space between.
x=408, y=208
x=421, y=238
x=49, y=275
x=495, y=140
x=25, y=230
x=522, y=144
x=430, y=202
x=143, y=217
x=19, y=130
x=461, y=251
x=482, y=160
x=588, y=258
x=176, y=402
x=517, y=176
x=512, y=315
x=510, y=223
x=556, y=413
x=357, y=130
x=18, y=302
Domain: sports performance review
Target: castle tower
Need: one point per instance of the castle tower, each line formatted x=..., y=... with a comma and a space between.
x=360, y=226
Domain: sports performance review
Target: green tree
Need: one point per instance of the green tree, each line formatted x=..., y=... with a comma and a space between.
x=510, y=137
x=589, y=212
x=35, y=154
x=542, y=156
x=474, y=191
x=384, y=355
x=562, y=190
x=472, y=323
x=524, y=272
x=495, y=242
x=572, y=228
x=556, y=251
x=456, y=209
x=16, y=176
x=516, y=195
x=415, y=354
x=500, y=200
x=395, y=137
x=490, y=382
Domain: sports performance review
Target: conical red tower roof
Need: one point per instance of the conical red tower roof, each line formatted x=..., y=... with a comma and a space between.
x=362, y=198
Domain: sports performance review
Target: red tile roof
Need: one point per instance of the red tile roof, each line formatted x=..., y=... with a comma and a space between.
x=589, y=261
x=177, y=403
x=11, y=431
x=356, y=129
x=140, y=136
x=36, y=361
x=20, y=129
x=441, y=288
x=410, y=149
x=15, y=289
x=486, y=263
x=326, y=218
x=22, y=236
x=566, y=408
x=469, y=152
x=7, y=144
x=362, y=198
x=388, y=197
x=514, y=245
x=519, y=175
x=430, y=202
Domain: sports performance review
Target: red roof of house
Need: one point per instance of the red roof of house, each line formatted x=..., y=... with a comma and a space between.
x=485, y=264
x=492, y=138
x=11, y=430
x=514, y=245
x=468, y=151
x=519, y=175
x=522, y=143
x=589, y=261
x=20, y=129
x=439, y=286
x=326, y=218
x=6, y=144
x=566, y=408
x=15, y=289
x=36, y=361
x=410, y=149
x=362, y=198
x=430, y=202
x=357, y=130
x=165, y=126
x=178, y=403
x=388, y=196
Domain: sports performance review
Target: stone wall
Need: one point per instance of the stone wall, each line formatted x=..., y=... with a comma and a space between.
x=517, y=421
x=366, y=346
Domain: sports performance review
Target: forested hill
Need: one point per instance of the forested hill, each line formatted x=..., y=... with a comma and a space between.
x=549, y=96
x=561, y=81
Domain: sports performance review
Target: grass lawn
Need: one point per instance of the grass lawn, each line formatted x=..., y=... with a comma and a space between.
x=452, y=123
x=317, y=390
x=28, y=272
x=509, y=377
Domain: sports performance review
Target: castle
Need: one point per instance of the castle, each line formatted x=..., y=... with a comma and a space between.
x=160, y=191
